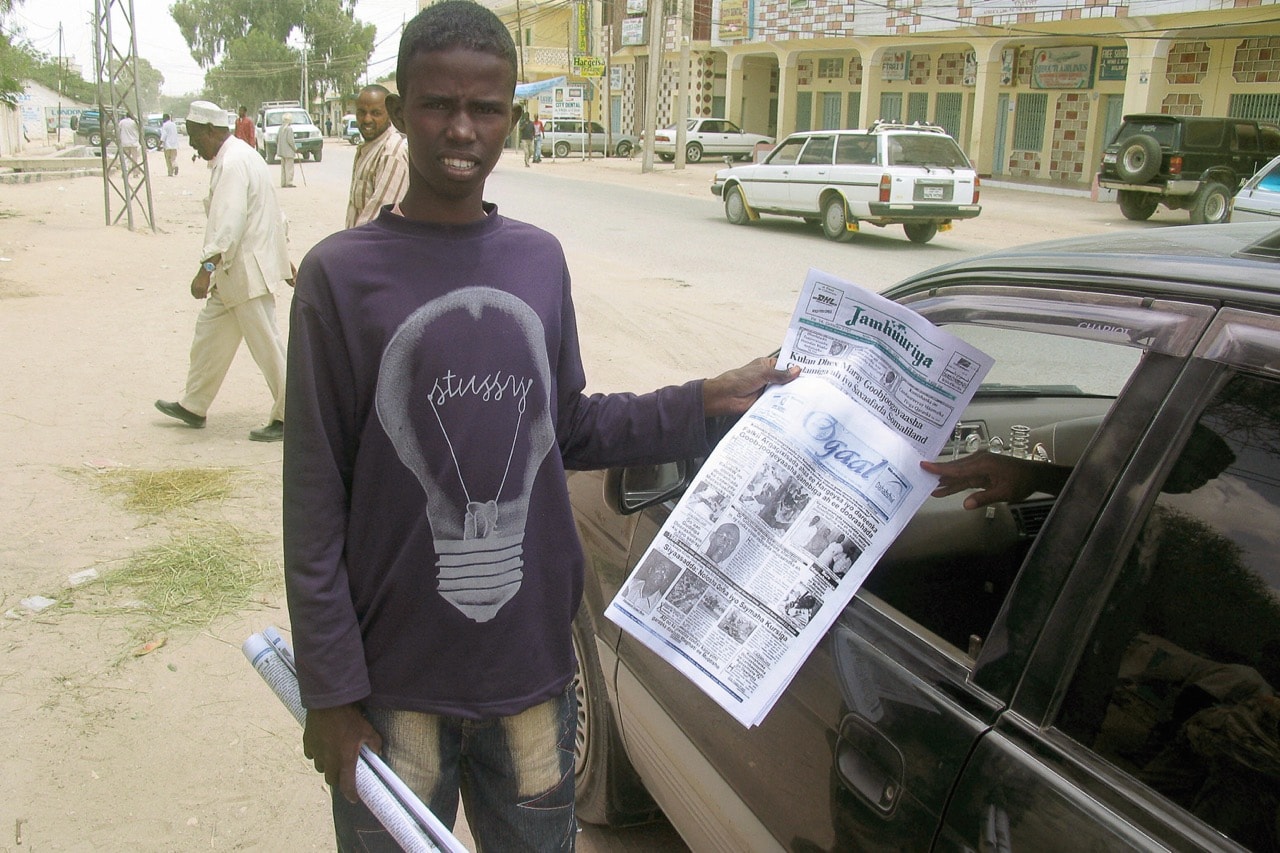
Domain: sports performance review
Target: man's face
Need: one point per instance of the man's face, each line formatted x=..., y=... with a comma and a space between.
x=455, y=109
x=371, y=114
x=203, y=140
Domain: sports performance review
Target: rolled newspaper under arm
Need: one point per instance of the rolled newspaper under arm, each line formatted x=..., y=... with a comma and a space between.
x=392, y=802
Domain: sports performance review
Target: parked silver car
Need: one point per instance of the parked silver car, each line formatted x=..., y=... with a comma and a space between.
x=563, y=137
x=1259, y=198
x=710, y=137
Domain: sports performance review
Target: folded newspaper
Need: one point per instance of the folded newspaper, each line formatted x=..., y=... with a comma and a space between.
x=407, y=819
x=800, y=500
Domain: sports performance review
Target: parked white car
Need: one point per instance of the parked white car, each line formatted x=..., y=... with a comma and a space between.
x=709, y=137
x=1259, y=198
x=915, y=176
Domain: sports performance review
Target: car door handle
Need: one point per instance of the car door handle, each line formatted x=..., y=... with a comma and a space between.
x=868, y=764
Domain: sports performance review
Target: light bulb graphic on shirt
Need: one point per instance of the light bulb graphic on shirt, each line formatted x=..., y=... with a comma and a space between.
x=457, y=400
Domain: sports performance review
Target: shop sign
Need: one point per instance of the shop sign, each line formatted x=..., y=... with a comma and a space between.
x=588, y=66
x=633, y=31
x=567, y=102
x=637, y=7
x=1113, y=63
x=733, y=20
x=1062, y=68
x=895, y=65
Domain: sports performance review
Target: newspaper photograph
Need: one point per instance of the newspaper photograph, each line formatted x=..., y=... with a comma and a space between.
x=802, y=497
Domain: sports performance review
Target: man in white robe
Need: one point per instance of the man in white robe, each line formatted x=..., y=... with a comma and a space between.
x=245, y=258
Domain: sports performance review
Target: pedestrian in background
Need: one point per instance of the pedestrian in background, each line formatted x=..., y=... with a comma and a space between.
x=169, y=142
x=381, y=169
x=127, y=132
x=286, y=150
x=245, y=129
x=245, y=258
x=526, y=138
x=537, y=140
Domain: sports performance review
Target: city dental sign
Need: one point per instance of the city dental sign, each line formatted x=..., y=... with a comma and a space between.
x=1062, y=68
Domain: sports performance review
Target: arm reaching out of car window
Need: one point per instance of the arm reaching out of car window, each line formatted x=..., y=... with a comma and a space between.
x=997, y=478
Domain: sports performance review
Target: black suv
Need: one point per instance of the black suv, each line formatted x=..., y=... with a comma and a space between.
x=89, y=125
x=1191, y=163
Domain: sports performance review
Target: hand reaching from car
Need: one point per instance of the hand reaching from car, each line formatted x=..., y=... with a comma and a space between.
x=997, y=478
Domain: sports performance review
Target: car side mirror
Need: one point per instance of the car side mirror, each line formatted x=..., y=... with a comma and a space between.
x=629, y=490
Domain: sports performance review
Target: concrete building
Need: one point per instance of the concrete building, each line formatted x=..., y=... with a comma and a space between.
x=1032, y=89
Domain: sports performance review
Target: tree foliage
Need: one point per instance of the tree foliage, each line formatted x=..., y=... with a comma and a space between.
x=10, y=77
x=244, y=43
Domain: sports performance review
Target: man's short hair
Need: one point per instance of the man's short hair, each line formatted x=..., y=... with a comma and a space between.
x=455, y=23
x=377, y=88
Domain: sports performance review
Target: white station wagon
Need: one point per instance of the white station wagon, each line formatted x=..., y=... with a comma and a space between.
x=915, y=176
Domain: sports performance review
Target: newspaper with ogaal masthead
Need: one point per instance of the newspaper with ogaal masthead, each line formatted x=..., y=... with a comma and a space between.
x=803, y=496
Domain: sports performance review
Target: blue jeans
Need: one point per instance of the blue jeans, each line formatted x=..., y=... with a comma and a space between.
x=515, y=776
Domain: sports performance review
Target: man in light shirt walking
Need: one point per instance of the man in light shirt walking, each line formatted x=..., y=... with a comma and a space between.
x=129, y=144
x=381, y=170
x=245, y=258
x=169, y=142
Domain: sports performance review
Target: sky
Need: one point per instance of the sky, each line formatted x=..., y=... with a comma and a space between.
x=160, y=42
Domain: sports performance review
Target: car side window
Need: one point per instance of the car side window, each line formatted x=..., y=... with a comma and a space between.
x=1202, y=134
x=1177, y=683
x=856, y=150
x=1270, y=139
x=818, y=151
x=1270, y=180
x=712, y=127
x=786, y=153
x=1247, y=137
x=951, y=569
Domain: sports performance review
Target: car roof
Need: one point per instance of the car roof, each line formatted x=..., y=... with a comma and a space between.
x=1234, y=263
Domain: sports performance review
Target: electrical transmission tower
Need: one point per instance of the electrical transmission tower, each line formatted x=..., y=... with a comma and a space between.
x=116, y=73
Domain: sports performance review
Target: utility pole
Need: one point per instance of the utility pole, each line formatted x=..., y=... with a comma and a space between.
x=62, y=73
x=656, y=25
x=119, y=85
x=520, y=43
x=682, y=93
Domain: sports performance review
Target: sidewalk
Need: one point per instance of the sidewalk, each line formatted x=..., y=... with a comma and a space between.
x=695, y=178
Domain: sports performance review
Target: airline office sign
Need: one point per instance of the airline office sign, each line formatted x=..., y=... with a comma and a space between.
x=1062, y=68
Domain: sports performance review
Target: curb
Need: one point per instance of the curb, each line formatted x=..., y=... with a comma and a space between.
x=38, y=177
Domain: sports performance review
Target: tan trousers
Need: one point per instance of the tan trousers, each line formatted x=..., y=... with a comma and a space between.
x=171, y=160
x=219, y=330
x=286, y=171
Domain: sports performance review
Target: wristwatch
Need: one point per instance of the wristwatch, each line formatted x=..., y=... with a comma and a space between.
x=209, y=266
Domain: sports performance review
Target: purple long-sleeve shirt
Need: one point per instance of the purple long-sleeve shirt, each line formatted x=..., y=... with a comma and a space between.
x=435, y=401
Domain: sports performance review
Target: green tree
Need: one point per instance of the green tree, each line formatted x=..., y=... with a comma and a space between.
x=245, y=40
x=10, y=60
x=255, y=68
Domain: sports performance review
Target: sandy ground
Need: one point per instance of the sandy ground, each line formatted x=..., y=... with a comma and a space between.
x=181, y=748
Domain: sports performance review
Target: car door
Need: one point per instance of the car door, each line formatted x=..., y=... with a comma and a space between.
x=1259, y=199
x=767, y=185
x=811, y=174
x=863, y=748
x=1147, y=717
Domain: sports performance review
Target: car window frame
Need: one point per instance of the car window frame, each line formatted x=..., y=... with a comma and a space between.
x=1234, y=342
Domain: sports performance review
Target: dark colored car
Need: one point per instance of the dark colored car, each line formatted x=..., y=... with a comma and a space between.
x=1191, y=163
x=89, y=125
x=1094, y=670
